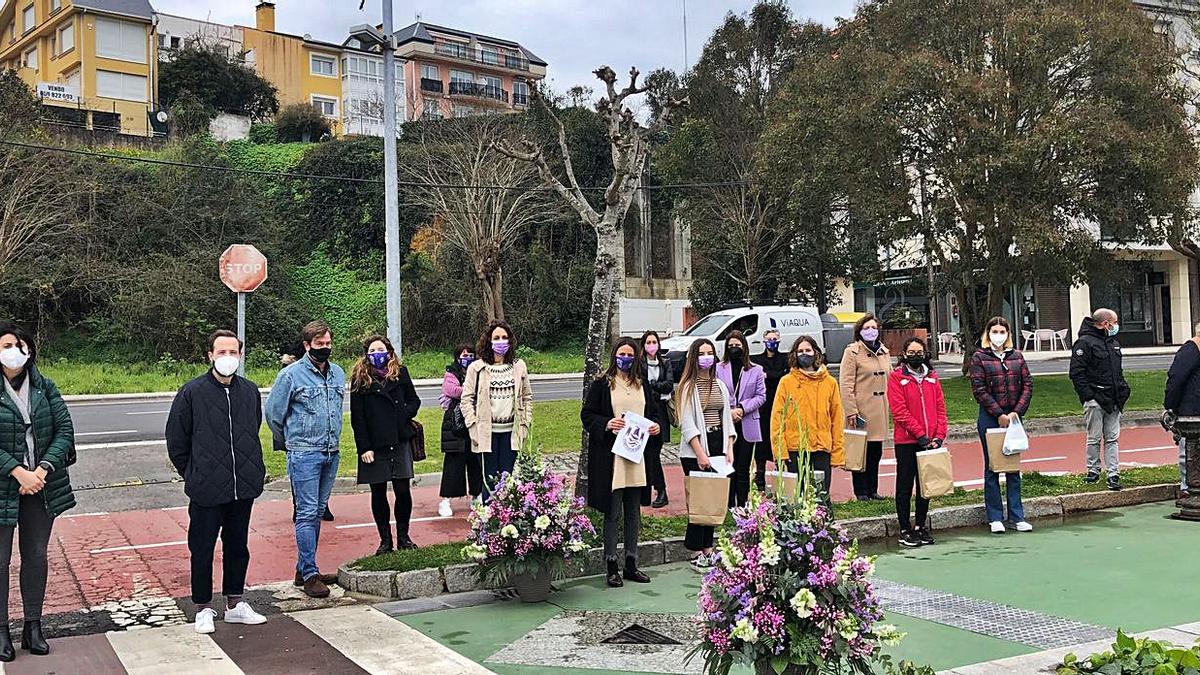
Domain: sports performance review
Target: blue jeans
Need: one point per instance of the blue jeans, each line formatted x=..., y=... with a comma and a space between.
x=312, y=475
x=500, y=460
x=991, y=480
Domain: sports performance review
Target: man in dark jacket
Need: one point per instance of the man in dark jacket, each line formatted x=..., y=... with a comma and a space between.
x=1100, y=383
x=1182, y=395
x=212, y=439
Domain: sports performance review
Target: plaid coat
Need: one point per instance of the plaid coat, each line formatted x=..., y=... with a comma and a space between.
x=1001, y=384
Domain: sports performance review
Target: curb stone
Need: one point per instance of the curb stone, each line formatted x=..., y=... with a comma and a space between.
x=461, y=577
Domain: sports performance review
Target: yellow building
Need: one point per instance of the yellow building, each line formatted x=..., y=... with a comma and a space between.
x=93, y=63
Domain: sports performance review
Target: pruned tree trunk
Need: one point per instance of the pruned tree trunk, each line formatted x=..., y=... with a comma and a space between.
x=491, y=286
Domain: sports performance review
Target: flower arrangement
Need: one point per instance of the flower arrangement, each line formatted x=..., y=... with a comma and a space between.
x=532, y=526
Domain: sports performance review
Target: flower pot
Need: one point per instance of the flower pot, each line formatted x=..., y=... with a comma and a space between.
x=532, y=588
x=764, y=667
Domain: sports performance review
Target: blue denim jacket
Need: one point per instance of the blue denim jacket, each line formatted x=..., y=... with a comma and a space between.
x=304, y=408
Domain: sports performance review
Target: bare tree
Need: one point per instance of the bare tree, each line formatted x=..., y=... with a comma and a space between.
x=481, y=222
x=629, y=147
x=740, y=225
x=42, y=202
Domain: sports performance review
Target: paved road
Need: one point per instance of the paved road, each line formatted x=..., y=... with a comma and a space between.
x=143, y=420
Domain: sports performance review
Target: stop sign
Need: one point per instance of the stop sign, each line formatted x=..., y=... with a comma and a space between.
x=243, y=268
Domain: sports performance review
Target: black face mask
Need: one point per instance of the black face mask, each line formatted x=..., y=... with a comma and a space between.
x=805, y=360
x=915, y=361
x=320, y=354
x=735, y=353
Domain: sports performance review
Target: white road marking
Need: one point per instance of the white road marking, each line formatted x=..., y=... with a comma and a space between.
x=138, y=547
x=102, y=433
x=1041, y=459
x=149, y=412
x=372, y=523
x=1157, y=447
x=173, y=508
x=109, y=446
x=85, y=515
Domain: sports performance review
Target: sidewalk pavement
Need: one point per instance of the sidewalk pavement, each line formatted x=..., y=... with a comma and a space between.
x=1056, y=354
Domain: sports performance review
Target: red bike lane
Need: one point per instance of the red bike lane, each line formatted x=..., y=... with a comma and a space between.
x=108, y=557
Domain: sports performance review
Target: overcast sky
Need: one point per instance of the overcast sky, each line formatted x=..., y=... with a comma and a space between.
x=573, y=36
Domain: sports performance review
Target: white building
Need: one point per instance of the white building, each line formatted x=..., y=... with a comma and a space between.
x=177, y=32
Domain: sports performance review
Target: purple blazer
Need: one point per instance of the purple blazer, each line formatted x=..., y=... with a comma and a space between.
x=751, y=394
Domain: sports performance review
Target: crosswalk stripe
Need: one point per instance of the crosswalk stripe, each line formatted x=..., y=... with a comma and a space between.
x=383, y=646
x=171, y=650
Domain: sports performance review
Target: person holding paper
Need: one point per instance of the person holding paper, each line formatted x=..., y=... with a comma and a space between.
x=919, y=410
x=747, y=392
x=1001, y=383
x=864, y=383
x=661, y=381
x=705, y=429
x=617, y=486
x=808, y=406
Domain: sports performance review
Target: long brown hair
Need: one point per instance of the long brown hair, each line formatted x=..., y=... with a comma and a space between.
x=816, y=351
x=635, y=371
x=687, y=380
x=739, y=336
x=484, y=351
x=362, y=375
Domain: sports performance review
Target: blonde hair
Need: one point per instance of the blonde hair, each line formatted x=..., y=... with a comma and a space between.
x=985, y=342
x=362, y=374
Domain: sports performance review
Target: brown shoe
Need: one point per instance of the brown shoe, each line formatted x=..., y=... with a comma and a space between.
x=315, y=588
x=327, y=579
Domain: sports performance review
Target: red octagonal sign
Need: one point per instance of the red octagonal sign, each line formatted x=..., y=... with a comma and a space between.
x=243, y=268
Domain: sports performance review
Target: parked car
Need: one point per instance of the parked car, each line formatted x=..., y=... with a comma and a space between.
x=791, y=321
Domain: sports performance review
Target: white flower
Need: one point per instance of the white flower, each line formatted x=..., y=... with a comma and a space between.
x=888, y=634
x=769, y=551
x=577, y=546
x=509, y=531
x=745, y=631
x=485, y=512
x=542, y=522
x=848, y=628
x=803, y=603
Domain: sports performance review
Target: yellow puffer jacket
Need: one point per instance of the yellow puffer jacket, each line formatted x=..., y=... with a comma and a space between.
x=810, y=399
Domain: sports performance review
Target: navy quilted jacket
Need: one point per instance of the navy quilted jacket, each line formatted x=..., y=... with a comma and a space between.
x=53, y=438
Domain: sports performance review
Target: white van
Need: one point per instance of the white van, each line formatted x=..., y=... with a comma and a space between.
x=791, y=321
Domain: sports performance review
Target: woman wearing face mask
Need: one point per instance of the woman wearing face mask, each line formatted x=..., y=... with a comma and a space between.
x=775, y=366
x=37, y=442
x=808, y=405
x=383, y=403
x=616, y=486
x=661, y=383
x=747, y=392
x=919, y=409
x=497, y=403
x=462, y=472
x=864, y=381
x=705, y=430
x=1002, y=385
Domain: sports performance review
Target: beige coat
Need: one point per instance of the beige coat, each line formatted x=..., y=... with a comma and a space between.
x=477, y=410
x=863, y=379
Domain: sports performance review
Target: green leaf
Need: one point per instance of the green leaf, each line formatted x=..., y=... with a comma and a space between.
x=1124, y=642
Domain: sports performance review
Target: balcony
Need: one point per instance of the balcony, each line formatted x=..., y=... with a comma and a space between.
x=478, y=91
x=486, y=57
x=428, y=84
x=520, y=100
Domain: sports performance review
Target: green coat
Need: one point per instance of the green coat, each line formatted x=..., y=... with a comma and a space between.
x=53, y=437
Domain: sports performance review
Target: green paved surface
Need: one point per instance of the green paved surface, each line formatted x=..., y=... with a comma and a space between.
x=1117, y=569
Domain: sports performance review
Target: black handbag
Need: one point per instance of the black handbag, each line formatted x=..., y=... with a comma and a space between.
x=458, y=423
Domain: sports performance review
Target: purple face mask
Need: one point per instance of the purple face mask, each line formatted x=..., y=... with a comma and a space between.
x=706, y=361
x=870, y=334
x=500, y=347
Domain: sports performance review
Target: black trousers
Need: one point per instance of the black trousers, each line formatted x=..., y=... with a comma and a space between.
x=906, y=479
x=382, y=514
x=462, y=474
x=866, y=482
x=739, y=483
x=33, y=538
x=625, y=505
x=762, y=454
x=818, y=460
x=700, y=537
x=655, y=477
x=231, y=522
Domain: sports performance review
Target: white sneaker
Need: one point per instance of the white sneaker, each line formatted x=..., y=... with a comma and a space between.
x=243, y=613
x=204, y=621
x=444, y=509
x=997, y=527
x=1024, y=527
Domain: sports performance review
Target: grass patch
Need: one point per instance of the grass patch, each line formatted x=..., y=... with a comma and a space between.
x=1053, y=396
x=661, y=527
x=556, y=428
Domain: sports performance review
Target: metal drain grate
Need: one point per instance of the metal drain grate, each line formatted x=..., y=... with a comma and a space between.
x=639, y=635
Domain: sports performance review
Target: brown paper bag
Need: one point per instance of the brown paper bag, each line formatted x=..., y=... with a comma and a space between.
x=707, y=497
x=1000, y=462
x=856, y=449
x=935, y=472
x=788, y=483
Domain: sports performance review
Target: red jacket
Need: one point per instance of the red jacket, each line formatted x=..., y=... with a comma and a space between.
x=918, y=407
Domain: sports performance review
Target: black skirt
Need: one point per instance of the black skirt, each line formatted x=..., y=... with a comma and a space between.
x=394, y=463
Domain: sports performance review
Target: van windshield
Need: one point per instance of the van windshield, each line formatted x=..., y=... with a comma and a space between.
x=709, y=325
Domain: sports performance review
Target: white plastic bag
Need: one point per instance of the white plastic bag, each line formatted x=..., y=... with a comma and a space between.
x=1016, y=440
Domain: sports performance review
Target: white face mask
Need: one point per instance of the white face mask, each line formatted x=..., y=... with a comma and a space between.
x=998, y=339
x=226, y=365
x=13, y=358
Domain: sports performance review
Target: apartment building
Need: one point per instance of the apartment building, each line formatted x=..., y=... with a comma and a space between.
x=92, y=63
x=455, y=73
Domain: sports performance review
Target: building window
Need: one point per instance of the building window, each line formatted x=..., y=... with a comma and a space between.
x=66, y=38
x=490, y=82
x=122, y=40
x=55, y=5
x=28, y=22
x=429, y=72
x=491, y=55
x=322, y=65
x=325, y=105
x=520, y=93
x=463, y=111
x=122, y=86
x=30, y=58
x=72, y=80
x=171, y=42
x=462, y=76
x=432, y=110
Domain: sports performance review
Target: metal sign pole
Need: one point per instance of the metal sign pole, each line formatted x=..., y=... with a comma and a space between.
x=241, y=331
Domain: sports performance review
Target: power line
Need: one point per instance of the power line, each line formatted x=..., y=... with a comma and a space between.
x=348, y=179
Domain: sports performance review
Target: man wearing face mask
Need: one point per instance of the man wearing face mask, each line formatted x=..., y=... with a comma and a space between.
x=304, y=411
x=1100, y=383
x=212, y=440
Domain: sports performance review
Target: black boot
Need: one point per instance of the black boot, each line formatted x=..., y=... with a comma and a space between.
x=614, y=575
x=32, y=640
x=404, y=542
x=660, y=500
x=385, y=540
x=632, y=572
x=7, y=653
